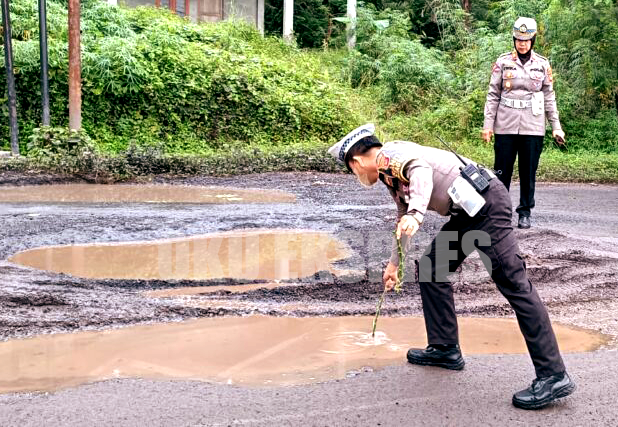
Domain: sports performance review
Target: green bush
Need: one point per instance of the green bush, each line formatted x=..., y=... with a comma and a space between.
x=49, y=142
x=409, y=74
x=152, y=78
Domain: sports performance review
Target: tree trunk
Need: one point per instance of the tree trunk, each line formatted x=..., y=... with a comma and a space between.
x=466, y=5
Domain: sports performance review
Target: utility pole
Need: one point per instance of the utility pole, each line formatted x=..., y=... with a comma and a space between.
x=260, y=16
x=75, y=89
x=351, y=28
x=288, y=19
x=10, y=78
x=44, y=62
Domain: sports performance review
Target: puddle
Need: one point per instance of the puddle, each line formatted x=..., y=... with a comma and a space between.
x=256, y=255
x=99, y=193
x=251, y=350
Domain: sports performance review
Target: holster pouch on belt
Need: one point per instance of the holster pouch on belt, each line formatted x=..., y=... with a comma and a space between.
x=538, y=103
x=464, y=195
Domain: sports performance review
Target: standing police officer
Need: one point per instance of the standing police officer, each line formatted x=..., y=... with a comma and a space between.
x=424, y=178
x=520, y=97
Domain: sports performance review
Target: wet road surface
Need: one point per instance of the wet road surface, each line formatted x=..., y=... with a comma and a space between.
x=480, y=395
x=571, y=253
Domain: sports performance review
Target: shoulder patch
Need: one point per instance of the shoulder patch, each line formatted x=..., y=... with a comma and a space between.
x=495, y=68
x=550, y=74
x=393, y=158
x=383, y=161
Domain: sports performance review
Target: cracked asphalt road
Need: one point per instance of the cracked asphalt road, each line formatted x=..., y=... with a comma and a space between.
x=571, y=253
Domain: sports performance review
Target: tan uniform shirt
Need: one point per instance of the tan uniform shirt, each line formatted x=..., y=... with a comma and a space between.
x=418, y=178
x=514, y=81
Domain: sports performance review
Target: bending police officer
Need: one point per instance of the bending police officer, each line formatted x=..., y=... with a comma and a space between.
x=519, y=99
x=419, y=179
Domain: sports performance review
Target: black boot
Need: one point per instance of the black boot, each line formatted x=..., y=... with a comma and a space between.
x=524, y=222
x=444, y=356
x=543, y=391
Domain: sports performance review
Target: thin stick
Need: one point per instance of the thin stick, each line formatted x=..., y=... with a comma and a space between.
x=378, y=308
x=398, y=282
x=400, y=268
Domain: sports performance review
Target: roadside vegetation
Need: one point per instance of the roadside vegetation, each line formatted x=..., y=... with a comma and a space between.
x=164, y=95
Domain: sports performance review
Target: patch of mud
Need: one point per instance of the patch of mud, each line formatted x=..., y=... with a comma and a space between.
x=252, y=350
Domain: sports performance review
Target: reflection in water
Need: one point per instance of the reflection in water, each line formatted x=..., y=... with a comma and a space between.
x=97, y=193
x=266, y=254
x=251, y=350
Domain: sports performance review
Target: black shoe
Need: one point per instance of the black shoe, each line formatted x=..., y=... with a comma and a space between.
x=543, y=391
x=524, y=222
x=444, y=357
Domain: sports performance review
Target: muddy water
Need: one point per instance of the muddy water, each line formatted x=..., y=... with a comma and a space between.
x=267, y=255
x=252, y=350
x=97, y=193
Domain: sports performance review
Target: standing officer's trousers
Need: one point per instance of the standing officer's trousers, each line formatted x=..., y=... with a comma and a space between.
x=528, y=149
x=492, y=234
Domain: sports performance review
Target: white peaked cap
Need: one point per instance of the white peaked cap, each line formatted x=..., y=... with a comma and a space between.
x=524, y=28
x=340, y=149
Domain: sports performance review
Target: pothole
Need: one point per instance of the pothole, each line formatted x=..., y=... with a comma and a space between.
x=99, y=193
x=250, y=350
x=255, y=255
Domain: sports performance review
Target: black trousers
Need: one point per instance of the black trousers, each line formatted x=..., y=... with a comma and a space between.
x=492, y=233
x=528, y=148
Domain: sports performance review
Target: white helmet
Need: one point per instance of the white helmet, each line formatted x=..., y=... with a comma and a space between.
x=524, y=28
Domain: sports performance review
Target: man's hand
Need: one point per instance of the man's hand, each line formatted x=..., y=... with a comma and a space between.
x=389, y=278
x=487, y=134
x=408, y=225
x=558, y=136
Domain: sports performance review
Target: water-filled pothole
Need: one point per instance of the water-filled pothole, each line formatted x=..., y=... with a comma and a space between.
x=256, y=254
x=98, y=193
x=249, y=350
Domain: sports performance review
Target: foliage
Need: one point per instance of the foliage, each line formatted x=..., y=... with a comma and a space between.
x=48, y=141
x=60, y=149
x=152, y=78
x=164, y=95
x=582, y=37
x=313, y=21
x=409, y=74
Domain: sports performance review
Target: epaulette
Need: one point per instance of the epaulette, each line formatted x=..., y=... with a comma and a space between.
x=541, y=57
x=393, y=159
